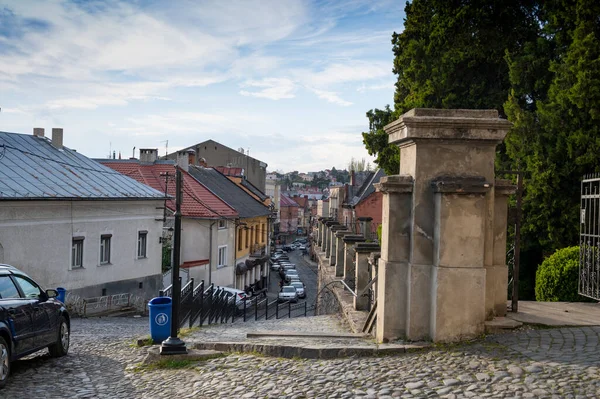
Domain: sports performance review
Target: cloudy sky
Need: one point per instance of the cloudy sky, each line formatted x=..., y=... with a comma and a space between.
x=290, y=80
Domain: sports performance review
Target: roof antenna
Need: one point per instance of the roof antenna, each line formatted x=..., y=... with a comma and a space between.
x=133, y=156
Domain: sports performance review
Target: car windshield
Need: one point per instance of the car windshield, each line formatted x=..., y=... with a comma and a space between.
x=297, y=285
x=289, y=289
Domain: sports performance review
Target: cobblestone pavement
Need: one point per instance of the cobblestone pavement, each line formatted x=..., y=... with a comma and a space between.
x=555, y=363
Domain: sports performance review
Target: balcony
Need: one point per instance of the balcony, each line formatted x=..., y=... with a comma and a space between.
x=258, y=250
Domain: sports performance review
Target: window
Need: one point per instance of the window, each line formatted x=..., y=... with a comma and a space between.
x=239, y=239
x=142, y=244
x=30, y=289
x=105, y=249
x=77, y=253
x=222, y=224
x=247, y=234
x=264, y=233
x=222, y=256
x=7, y=288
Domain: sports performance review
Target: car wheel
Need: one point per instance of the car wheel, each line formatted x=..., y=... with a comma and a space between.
x=61, y=347
x=4, y=362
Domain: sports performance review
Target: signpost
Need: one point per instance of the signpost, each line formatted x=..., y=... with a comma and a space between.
x=173, y=345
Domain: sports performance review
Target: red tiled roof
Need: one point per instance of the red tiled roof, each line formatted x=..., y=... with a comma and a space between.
x=194, y=263
x=236, y=172
x=286, y=201
x=198, y=201
x=301, y=201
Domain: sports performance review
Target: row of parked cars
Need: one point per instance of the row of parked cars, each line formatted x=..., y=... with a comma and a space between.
x=292, y=288
x=301, y=244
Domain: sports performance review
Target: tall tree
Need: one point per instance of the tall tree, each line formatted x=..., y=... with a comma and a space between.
x=451, y=55
x=376, y=141
x=555, y=108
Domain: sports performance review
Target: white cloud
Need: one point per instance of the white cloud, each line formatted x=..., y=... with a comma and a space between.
x=351, y=71
x=384, y=86
x=331, y=97
x=271, y=88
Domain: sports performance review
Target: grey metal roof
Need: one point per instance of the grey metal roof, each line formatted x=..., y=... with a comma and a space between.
x=367, y=188
x=32, y=168
x=246, y=205
x=254, y=190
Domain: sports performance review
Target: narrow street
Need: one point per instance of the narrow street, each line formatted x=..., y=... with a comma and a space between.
x=307, y=271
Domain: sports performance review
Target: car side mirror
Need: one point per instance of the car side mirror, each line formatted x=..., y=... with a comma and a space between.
x=50, y=293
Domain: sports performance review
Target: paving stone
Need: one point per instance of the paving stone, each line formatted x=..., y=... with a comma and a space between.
x=102, y=364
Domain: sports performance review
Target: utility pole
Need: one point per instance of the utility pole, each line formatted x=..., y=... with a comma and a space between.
x=173, y=345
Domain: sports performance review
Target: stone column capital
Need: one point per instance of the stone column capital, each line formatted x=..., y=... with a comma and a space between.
x=461, y=185
x=448, y=124
x=395, y=184
x=366, y=247
x=505, y=187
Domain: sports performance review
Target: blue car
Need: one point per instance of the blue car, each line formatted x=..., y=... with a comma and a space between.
x=31, y=319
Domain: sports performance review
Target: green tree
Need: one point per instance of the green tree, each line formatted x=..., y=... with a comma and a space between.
x=376, y=141
x=555, y=107
x=451, y=55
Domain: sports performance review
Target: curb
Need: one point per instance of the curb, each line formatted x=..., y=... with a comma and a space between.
x=307, y=352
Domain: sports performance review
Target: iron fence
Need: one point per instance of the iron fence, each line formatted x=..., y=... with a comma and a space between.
x=589, y=237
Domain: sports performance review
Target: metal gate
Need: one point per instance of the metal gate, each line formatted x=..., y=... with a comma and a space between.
x=589, y=237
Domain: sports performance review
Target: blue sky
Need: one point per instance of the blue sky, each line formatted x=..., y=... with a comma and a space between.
x=289, y=80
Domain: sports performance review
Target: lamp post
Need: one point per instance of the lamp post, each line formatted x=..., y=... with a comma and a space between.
x=173, y=345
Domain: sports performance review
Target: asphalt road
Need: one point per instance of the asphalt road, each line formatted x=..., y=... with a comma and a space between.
x=307, y=271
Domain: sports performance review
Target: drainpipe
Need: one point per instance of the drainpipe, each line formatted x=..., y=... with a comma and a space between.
x=210, y=253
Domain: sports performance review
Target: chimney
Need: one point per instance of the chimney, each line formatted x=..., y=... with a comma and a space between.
x=191, y=157
x=183, y=160
x=57, y=137
x=38, y=131
x=148, y=155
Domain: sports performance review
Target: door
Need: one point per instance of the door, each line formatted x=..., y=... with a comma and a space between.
x=42, y=309
x=19, y=315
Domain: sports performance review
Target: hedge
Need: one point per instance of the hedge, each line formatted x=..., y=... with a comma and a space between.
x=557, y=278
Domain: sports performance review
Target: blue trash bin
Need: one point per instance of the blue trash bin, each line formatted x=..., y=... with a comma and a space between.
x=62, y=293
x=160, y=318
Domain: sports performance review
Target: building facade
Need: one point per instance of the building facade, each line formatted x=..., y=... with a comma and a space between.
x=69, y=221
x=216, y=154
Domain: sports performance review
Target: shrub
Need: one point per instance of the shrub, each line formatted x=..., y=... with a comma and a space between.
x=557, y=278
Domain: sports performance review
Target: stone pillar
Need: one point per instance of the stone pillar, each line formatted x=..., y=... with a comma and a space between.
x=393, y=277
x=328, y=226
x=363, y=250
x=318, y=232
x=374, y=272
x=450, y=155
x=340, y=251
x=334, y=229
x=365, y=227
x=496, y=277
x=349, y=267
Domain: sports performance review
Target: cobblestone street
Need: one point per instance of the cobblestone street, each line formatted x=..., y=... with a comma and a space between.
x=552, y=363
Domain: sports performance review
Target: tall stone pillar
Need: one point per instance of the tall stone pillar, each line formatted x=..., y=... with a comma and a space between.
x=318, y=232
x=497, y=273
x=334, y=229
x=327, y=237
x=363, y=250
x=393, y=277
x=440, y=279
x=350, y=241
x=340, y=251
x=365, y=226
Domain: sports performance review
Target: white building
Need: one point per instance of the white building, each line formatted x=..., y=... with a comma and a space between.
x=208, y=222
x=71, y=222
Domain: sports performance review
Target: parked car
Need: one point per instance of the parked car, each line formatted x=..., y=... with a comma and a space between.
x=288, y=293
x=300, y=288
x=240, y=296
x=31, y=319
x=302, y=247
x=290, y=273
x=287, y=248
